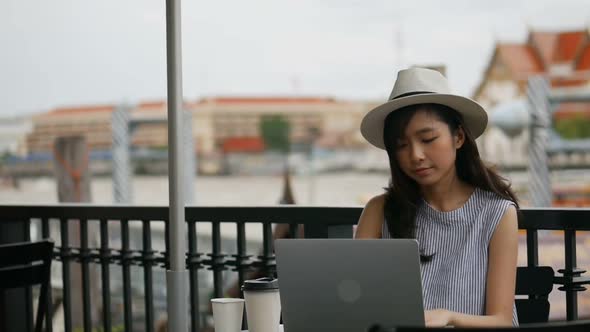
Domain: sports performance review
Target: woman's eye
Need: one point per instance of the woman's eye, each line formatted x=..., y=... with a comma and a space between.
x=429, y=140
x=401, y=145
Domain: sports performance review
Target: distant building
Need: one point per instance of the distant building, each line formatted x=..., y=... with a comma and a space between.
x=562, y=57
x=220, y=125
x=92, y=122
x=231, y=119
x=13, y=132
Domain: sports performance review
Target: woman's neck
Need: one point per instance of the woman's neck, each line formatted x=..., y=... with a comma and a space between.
x=448, y=195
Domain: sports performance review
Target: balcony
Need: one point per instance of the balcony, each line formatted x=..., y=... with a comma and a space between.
x=117, y=254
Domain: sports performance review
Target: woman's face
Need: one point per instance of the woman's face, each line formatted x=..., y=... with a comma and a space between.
x=427, y=149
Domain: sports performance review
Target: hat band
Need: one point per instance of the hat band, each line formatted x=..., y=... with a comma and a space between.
x=407, y=94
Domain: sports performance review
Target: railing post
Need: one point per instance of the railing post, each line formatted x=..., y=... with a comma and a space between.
x=532, y=247
x=148, y=259
x=532, y=251
x=268, y=264
x=105, y=261
x=217, y=262
x=126, y=260
x=66, y=257
x=85, y=258
x=194, y=263
x=570, y=273
x=242, y=259
x=45, y=234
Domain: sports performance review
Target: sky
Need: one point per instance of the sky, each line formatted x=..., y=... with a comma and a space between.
x=71, y=53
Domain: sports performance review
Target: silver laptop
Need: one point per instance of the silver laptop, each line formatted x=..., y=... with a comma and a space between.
x=348, y=285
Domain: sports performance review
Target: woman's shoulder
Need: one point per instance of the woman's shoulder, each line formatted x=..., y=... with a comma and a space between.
x=375, y=205
x=376, y=201
x=493, y=208
x=371, y=219
x=489, y=196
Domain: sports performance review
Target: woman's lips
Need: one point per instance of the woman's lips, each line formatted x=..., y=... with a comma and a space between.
x=422, y=171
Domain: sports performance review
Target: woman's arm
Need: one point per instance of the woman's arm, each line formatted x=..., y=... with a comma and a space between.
x=371, y=220
x=501, y=281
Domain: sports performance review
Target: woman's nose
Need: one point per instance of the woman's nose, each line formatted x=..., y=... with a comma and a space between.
x=417, y=153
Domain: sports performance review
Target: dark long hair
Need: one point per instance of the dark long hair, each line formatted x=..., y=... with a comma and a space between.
x=403, y=194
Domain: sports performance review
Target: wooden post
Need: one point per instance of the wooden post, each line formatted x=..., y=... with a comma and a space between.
x=71, y=169
x=70, y=155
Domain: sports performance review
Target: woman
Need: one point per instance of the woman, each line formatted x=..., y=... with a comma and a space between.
x=463, y=214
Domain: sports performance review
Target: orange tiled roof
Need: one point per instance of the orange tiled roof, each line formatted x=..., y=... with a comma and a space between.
x=267, y=100
x=557, y=47
x=520, y=58
x=152, y=104
x=81, y=110
x=541, y=51
x=561, y=82
x=160, y=105
x=583, y=62
x=543, y=43
x=568, y=45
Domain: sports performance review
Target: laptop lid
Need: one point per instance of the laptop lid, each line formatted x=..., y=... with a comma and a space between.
x=349, y=285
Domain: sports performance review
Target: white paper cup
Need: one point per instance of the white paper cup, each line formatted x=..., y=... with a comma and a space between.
x=263, y=310
x=227, y=314
x=263, y=304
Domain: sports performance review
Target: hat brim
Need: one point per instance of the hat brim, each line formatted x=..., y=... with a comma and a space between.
x=474, y=116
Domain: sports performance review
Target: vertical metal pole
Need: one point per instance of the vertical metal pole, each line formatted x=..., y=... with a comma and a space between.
x=177, y=276
x=540, y=183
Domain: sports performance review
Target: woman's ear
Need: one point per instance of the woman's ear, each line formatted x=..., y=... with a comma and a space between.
x=459, y=138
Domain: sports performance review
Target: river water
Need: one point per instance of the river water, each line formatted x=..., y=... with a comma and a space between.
x=334, y=189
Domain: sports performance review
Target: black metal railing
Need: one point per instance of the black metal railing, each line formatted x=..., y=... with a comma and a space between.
x=95, y=223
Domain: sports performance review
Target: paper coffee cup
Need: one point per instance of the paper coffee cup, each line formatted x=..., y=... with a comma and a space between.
x=263, y=304
x=227, y=314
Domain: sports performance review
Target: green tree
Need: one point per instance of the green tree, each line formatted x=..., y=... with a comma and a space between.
x=577, y=127
x=275, y=131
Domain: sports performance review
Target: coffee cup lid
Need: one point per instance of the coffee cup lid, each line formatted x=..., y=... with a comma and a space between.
x=261, y=284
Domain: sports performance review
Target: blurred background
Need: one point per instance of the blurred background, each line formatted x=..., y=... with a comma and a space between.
x=274, y=92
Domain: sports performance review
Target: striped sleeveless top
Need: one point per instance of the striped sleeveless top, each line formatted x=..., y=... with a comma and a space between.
x=455, y=278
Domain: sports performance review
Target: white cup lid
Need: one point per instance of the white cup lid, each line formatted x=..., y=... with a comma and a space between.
x=227, y=300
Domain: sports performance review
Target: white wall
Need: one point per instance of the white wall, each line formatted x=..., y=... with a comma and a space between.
x=495, y=146
x=13, y=133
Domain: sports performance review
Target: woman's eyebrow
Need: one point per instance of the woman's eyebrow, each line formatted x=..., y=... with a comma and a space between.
x=425, y=130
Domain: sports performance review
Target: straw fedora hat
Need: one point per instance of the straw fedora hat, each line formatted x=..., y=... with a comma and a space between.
x=422, y=86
